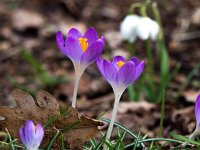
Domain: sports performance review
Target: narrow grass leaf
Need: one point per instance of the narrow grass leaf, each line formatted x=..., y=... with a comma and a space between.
x=185, y=139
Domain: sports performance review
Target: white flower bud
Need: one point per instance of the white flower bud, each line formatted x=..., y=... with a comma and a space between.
x=128, y=27
x=147, y=28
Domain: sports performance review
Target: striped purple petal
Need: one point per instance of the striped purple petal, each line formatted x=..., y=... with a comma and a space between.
x=110, y=72
x=99, y=63
x=91, y=35
x=73, y=32
x=39, y=134
x=73, y=49
x=126, y=74
x=60, y=42
x=139, y=70
x=117, y=59
x=102, y=39
x=135, y=60
x=91, y=54
x=21, y=135
x=29, y=132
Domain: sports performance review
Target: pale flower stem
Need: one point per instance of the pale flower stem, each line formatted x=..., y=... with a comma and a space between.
x=76, y=83
x=192, y=136
x=114, y=113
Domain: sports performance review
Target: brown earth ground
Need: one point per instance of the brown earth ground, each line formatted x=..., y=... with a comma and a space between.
x=32, y=26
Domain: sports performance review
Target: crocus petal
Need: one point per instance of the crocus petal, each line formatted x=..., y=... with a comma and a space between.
x=91, y=54
x=73, y=32
x=102, y=39
x=31, y=135
x=110, y=72
x=126, y=74
x=139, y=70
x=117, y=59
x=21, y=135
x=60, y=42
x=91, y=35
x=73, y=49
x=135, y=60
x=128, y=27
x=29, y=132
x=99, y=63
x=39, y=134
x=197, y=110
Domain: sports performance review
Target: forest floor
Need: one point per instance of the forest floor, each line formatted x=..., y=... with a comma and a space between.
x=32, y=26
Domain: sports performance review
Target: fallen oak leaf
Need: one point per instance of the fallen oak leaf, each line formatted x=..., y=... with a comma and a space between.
x=44, y=107
x=82, y=132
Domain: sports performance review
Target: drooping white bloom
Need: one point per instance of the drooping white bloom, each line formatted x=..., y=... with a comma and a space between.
x=134, y=26
x=128, y=27
x=147, y=28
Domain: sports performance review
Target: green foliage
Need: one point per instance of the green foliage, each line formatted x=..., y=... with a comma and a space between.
x=40, y=72
x=118, y=143
x=184, y=139
x=191, y=74
x=139, y=142
x=162, y=114
x=9, y=143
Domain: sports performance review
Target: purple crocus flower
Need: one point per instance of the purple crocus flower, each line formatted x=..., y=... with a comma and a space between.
x=197, y=111
x=81, y=49
x=120, y=73
x=31, y=135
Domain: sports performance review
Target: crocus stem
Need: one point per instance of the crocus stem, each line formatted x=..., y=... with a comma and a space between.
x=192, y=136
x=78, y=73
x=114, y=113
x=76, y=83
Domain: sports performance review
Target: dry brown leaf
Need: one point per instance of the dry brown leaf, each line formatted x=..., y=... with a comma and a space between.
x=40, y=110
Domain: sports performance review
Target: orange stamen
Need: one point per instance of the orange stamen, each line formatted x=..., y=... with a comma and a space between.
x=120, y=63
x=84, y=44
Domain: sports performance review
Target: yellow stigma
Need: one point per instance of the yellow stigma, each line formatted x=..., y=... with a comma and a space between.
x=120, y=63
x=84, y=44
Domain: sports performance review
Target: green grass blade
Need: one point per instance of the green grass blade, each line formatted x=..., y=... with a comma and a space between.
x=10, y=140
x=194, y=71
x=93, y=142
x=185, y=139
x=51, y=120
x=62, y=142
x=123, y=128
x=162, y=113
x=109, y=145
x=52, y=140
x=57, y=134
x=98, y=147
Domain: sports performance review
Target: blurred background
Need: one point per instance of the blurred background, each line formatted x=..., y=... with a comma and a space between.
x=30, y=59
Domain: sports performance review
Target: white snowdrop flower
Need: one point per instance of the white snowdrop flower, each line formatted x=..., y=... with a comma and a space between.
x=128, y=27
x=147, y=28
